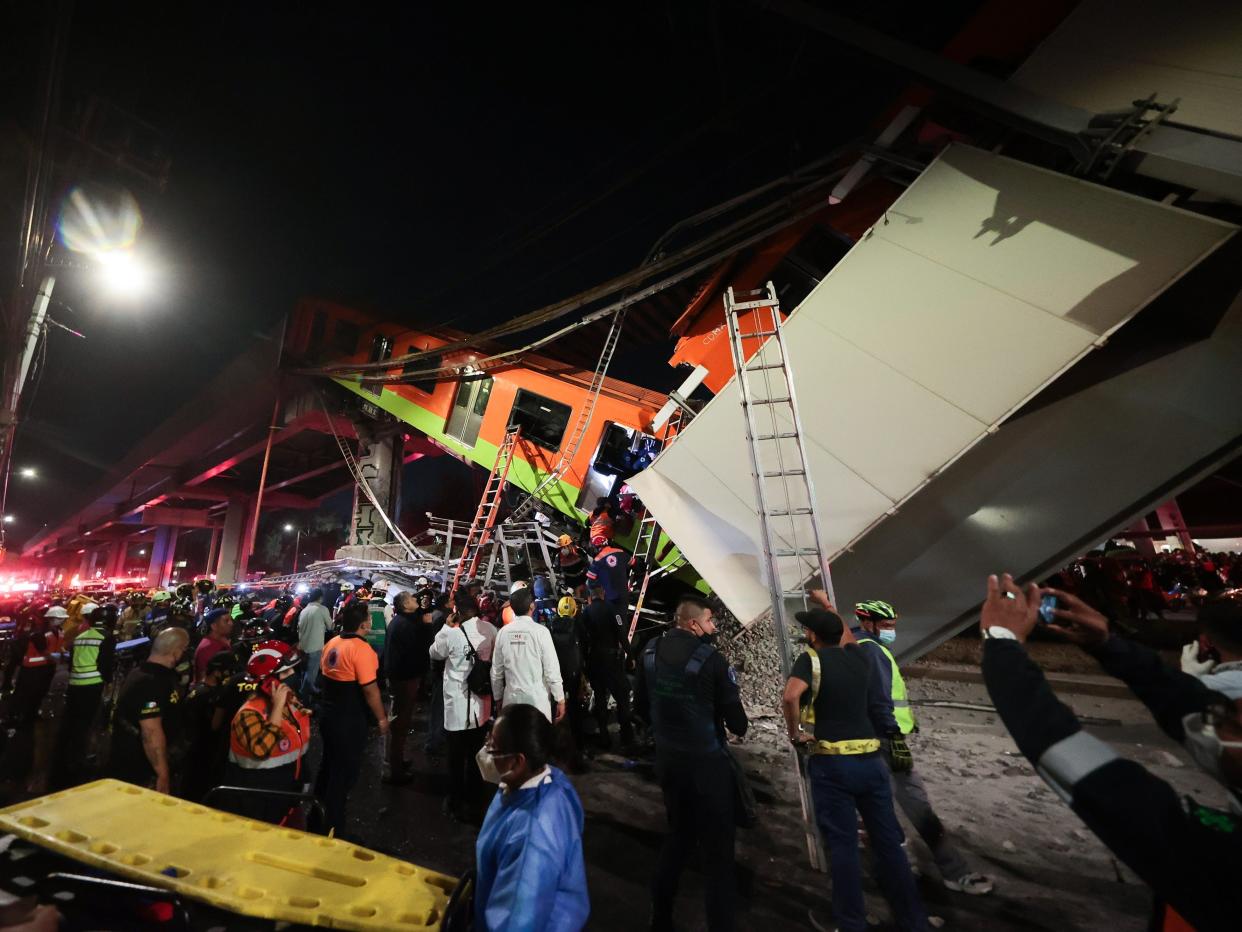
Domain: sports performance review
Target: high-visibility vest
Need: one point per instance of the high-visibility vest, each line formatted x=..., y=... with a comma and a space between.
x=295, y=733
x=901, y=701
x=35, y=659
x=806, y=714
x=84, y=658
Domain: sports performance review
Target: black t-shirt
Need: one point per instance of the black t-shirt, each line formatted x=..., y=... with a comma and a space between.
x=849, y=693
x=150, y=692
x=604, y=632
x=405, y=647
x=566, y=636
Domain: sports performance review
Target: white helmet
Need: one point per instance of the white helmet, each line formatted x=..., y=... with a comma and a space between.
x=519, y=584
x=347, y=587
x=423, y=582
x=56, y=612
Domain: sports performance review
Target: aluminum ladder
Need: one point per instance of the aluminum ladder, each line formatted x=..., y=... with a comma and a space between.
x=784, y=494
x=570, y=449
x=489, y=506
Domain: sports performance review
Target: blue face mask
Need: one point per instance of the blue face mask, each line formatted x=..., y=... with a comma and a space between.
x=886, y=636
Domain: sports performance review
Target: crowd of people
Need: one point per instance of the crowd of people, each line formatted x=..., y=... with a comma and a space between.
x=201, y=688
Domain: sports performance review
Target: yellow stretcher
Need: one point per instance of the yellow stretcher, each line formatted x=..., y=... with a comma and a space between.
x=233, y=863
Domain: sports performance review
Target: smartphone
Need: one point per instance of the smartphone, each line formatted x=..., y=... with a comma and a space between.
x=1047, y=606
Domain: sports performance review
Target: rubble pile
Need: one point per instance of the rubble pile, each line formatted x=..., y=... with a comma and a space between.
x=754, y=654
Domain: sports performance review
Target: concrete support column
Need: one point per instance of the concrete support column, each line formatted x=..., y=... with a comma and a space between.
x=234, y=542
x=213, y=551
x=1170, y=517
x=84, y=565
x=91, y=564
x=163, y=549
x=116, y=558
x=380, y=463
x=1143, y=544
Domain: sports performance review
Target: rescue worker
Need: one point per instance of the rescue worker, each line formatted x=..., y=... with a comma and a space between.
x=506, y=613
x=406, y=662
x=33, y=660
x=91, y=659
x=463, y=641
x=146, y=725
x=204, y=599
x=530, y=873
x=524, y=665
x=269, y=734
x=846, y=771
x=687, y=692
x=351, y=704
x=1186, y=852
x=219, y=638
x=571, y=563
x=568, y=639
x=601, y=523
x=877, y=628
x=607, y=647
x=206, y=728
x=610, y=570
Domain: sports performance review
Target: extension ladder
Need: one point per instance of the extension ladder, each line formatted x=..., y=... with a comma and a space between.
x=570, y=450
x=784, y=495
x=489, y=506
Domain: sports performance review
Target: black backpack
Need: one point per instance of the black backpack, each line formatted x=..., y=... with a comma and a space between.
x=479, y=679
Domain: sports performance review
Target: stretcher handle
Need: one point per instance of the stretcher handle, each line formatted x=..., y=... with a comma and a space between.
x=58, y=882
x=292, y=797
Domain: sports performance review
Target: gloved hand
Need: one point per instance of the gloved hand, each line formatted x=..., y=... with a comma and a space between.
x=899, y=757
x=1192, y=664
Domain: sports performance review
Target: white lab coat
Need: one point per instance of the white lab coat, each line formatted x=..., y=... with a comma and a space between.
x=524, y=666
x=462, y=708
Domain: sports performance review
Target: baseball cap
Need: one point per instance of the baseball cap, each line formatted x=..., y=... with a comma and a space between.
x=826, y=625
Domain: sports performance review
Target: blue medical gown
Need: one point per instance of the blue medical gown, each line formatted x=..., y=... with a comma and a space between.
x=530, y=875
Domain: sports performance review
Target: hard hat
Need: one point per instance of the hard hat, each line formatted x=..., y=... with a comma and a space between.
x=423, y=582
x=161, y=595
x=236, y=611
x=599, y=540
x=347, y=587
x=271, y=658
x=565, y=540
x=875, y=610
x=567, y=607
x=56, y=612
x=519, y=584
x=215, y=614
x=87, y=608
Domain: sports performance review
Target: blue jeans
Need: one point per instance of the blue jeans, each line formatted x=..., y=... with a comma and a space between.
x=842, y=785
x=310, y=675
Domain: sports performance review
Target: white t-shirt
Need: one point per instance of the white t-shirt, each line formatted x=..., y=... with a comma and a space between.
x=524, y=666
x=462, y=708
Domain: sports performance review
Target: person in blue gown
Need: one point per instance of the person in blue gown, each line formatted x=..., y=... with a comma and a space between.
x=530, y=872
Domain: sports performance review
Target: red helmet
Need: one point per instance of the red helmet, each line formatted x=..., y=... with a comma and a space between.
x=270, y=659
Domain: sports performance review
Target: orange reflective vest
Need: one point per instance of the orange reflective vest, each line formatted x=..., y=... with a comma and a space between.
x=601, y=526
x=295, y=733
x=35, y=658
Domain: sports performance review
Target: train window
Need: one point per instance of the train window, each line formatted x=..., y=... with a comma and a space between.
x=623, y=452
x=345, y=337
x=543, y=421
x=426, y=385
x=469, y=405
x=806, y=265
x=381, y=349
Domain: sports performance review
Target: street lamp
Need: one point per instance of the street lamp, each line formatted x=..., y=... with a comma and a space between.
x=297, y=543
x=8, y=519
x=29, y=472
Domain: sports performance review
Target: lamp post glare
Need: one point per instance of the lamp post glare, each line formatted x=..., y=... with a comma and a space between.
x=29, y=472
x=8, y=519
x=123, y=274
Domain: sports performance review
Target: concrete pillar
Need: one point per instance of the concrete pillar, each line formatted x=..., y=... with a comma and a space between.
x=116, y=558
x=163, y=549
x=1170, y=517
x=83, y=565
x=213, y=551
x=234, y=542
x=380, y=464
x=91, y=564
x=1143, y=544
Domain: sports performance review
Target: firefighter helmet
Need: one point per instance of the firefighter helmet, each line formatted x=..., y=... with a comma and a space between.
x=270, y=659
x=567, y=607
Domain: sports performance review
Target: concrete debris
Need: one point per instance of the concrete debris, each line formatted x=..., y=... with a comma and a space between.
x=1169, y=760
x=1009, y=845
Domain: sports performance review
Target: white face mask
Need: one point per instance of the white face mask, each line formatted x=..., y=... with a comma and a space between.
x=487, y=766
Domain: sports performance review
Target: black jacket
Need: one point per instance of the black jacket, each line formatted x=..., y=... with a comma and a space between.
x=1182, y=852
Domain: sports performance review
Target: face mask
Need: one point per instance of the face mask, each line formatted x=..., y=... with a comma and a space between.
x=487, y=766
x=886, y=636
x=1205, y=745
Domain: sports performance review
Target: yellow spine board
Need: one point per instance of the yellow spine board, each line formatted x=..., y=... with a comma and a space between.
x=246, y=867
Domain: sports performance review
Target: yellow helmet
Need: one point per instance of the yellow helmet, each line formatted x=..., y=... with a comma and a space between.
x=565, y=540
x=567, y=607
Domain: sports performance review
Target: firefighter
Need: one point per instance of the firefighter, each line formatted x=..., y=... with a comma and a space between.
x=34, y=661
x=270, y=733
x=877, y=628
x=610, y=570
x=571, y=563
x=607, y=649
x=601, y=523
x=91, y=659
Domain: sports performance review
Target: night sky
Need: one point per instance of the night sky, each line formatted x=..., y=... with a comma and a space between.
x=447, y=162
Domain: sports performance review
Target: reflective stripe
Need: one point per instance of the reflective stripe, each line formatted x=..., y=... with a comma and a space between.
x=268, y=763
x=806, y=714
x=901, y=703
x=1071, y=759
x=852, y=746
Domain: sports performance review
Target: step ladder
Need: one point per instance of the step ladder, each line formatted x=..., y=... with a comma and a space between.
x=784, y=494
x=489, y=508
x=570, y=449
x=648, y=537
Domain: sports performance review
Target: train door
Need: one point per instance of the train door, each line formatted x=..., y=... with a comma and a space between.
x=623, y=451
x=469, y=404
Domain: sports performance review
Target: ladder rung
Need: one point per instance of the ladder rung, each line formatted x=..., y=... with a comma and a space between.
x=789, y=512
x=797, y=552
x=790, y=435
x=781, y=473
x=757, y=333
x=768, y=401
x=762, y=366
